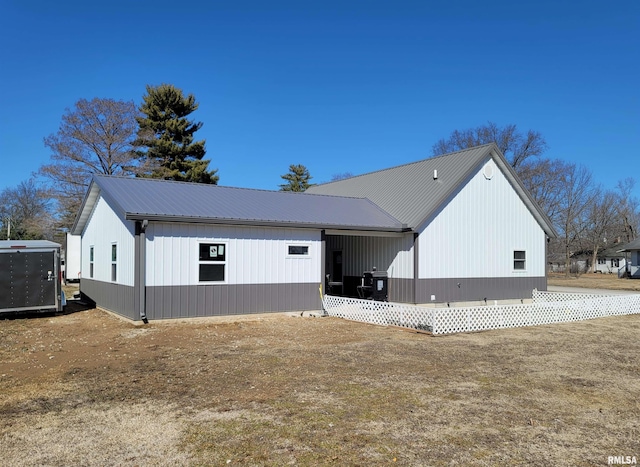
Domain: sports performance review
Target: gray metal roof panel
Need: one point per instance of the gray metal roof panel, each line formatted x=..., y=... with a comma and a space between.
x=411, y=194
x=140, y=198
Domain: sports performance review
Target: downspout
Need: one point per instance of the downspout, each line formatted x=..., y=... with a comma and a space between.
x=546, y=261
x=416, y=258
x=323, y=257
x=140, y=269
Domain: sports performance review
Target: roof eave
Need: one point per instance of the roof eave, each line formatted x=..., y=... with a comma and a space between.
x=90, y=198
x=262, y=223
x=534, y=207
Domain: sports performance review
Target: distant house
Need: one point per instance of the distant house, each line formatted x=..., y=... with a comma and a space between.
x=452, y=228
x=610, y=261
x=632, y=254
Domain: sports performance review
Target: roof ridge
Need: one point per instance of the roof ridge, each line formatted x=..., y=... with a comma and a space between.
x=474, y=148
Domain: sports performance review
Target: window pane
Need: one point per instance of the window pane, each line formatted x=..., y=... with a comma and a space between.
x=114, y=252
x=518, y=264
x=298, y=249
x=212, y=272
x=212, y=252
x=518, y=255
x=91, y=254
x=113, y=273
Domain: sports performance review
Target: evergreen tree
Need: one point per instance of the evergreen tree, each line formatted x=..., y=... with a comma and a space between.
x=297, y=179
x=167, y=135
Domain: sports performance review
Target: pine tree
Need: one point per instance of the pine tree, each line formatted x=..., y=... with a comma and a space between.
x=297, y=178
x=167, y=135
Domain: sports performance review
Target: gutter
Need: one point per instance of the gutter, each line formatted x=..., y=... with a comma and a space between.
x=398, y=228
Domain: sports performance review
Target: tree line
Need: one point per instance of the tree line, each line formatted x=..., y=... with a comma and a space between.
x=157, y=140
x=113, y=137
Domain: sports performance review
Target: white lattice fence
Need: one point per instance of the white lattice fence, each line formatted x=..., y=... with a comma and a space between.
x=384, y=313
x=546, y=308
x=543, y=296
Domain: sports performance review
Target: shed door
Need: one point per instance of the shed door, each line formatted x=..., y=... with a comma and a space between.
x=27, y=280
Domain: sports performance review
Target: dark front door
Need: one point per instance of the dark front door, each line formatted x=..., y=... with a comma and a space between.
x=336, y=266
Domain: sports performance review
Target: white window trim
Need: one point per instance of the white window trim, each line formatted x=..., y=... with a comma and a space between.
x=309, y=246
x=112, y=263
x=225, y=262
x=513, y=260
x=92, y=261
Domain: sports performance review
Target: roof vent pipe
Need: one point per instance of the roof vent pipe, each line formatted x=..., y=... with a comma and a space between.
x=435, y=174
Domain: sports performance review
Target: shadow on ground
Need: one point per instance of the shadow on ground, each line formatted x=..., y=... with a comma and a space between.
x=72, y=306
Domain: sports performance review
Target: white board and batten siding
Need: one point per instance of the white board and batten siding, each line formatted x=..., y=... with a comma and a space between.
x=391, y=253
x=477, y=232
x=254, y=255
x=104, y=229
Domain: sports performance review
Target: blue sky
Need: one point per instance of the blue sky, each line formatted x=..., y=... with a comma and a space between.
x=339, y=86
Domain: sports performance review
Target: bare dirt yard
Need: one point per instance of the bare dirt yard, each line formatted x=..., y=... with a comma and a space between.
x=87, y=388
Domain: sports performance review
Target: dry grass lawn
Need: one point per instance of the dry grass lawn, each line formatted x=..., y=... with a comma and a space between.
x=594, y=281
x=87, y=388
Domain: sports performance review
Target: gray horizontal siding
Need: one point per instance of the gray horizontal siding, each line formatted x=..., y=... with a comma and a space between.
x=113, y=297
x=192, y=301
x=478, y=288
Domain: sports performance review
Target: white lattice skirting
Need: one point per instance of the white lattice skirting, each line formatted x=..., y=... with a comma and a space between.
x=547, y=308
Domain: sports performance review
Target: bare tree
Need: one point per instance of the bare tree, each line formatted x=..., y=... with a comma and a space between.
x=601, y=222
x=26, y=212
x=94, y=137
x=576, y=195
x=342, y=176
x=517, y=147
x=627, y=209
x=543, y=179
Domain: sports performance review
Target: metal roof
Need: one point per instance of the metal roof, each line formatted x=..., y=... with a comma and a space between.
x=169, y=201
x=411, y=194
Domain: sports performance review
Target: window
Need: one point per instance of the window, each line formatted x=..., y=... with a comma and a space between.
x=298, y=250
x=212, y=262
x=519, y=260
x=602, y=261
x=91, y=261
x=615, y=262
x=114, y=262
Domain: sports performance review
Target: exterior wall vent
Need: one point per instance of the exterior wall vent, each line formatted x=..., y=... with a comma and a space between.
x=488, y=171
x=435, y=174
